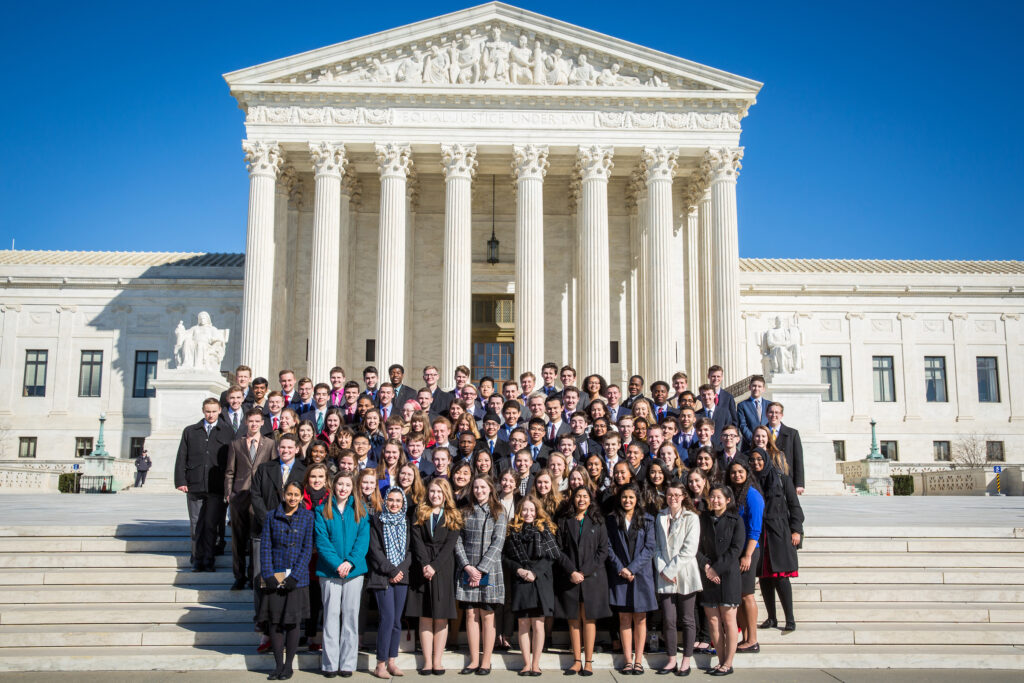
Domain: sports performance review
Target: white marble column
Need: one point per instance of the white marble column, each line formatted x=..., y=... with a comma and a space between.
x=529, y=166
x=395, y=161
x=691, y=261
x=328, y=167
x=660, y=163
x=459, y=164
x=706, y=295
x=264, y=161
x=595, y=166
x=351, y=191
x=725, y=167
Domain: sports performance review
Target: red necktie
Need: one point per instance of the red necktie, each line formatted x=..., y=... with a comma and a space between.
x=551, y=431
x=716, y=399
x=275, y=423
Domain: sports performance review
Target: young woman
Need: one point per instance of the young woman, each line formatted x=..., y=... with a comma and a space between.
x=530, y=550
x=306, y=433
x=579, y=477
x=286, y=546
x=388, y=561
x=412, y=485
x=762, y=438
x=640, y=424
x=481, y=584
x=318, y=455
x=622, y=476
x=342, y=540
x=582, y=583
x=595, y=467
x=368, y=492
x=392, y=458
x=677, y=577
x=594, y=387
x=409, y=408
x=315, y=494
x=419, y=423
x=597, y=409
x=653, y=492
x=508, y=492
x=435, y=532
x=781, y=533
x=750, y=505
x=373, y=428
x=599, y=426
x=288, y=423
x=483, y=464
x=668, y=454
x=718, y=554
x=558, y=465
x=545, y=491
x=456, y=410
x=641, y=411
x=706, y=463
x=631, y=546
x=467, y=425
x=343, y=439
x=462, y=484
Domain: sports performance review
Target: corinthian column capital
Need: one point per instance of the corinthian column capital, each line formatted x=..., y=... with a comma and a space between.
x=723, y=163
x=529, y=162
x=594, y=162
x=660, y=163
x=458, y=161
x=262, y=158
x=328, y=158
x=395, y=160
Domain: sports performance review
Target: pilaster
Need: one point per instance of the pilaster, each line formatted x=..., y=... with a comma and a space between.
x=964, y=369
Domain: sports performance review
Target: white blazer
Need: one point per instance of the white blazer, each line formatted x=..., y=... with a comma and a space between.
x=676, y=555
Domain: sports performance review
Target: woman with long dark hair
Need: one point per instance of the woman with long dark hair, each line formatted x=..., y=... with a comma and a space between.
x=718, y=553
x=750, y=506
x=631, y=546
x=315, y=493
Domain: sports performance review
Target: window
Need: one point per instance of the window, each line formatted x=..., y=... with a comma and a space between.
x=890, y=450
x=35, y=373
x=145, y=370
x=884, y=381
x=988, y=379
x=839, y=448
x=935, y=379
x=832, y=375
x=371, y=350
x=941, y=451
x=89, y=374
x=83, y=446
x=994, y=451
x=614, y=356
x=27, y=447
x=136, y=446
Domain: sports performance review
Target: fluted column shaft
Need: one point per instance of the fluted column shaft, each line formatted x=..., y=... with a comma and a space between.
x=725, y=166
x=595, y=164
x=660, y=164
x=394, y=161
x=459, y=164
x=529, y=166
x=707, y=304
x=692, y=293
x=350, y=193
x=264, y=162
x=328, y=167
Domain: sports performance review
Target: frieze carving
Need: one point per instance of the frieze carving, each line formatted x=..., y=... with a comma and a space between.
x=689, y=120
x=356, y=116
x=494, y=56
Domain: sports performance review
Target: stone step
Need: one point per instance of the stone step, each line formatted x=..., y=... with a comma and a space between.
x=907, y=593
x=139, y=544
x=937, y=531
x=120, y=593
x=83, y=577
x=167, y=658
x=144, y=613
x=1002, y=577
x=912, y=559
x=902, y=545
x=98, y=560
x=178, y=529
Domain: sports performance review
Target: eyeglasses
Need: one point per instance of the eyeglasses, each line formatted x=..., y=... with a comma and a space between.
x=729, y=436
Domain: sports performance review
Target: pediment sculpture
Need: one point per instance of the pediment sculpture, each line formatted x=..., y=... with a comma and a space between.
x=495, y=57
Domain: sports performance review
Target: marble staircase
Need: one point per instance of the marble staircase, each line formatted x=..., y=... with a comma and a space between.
x=122, y=598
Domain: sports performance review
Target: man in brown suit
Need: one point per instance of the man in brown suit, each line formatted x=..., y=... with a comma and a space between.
x=245, y=454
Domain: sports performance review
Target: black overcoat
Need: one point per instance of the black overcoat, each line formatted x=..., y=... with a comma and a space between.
x=720, y=546
x=434, y=598
x=585, y=553
x=782, y=516
x=381, y=570
x=536, y=594
x=202, y=458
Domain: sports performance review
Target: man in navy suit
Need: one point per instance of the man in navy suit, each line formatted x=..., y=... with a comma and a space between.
x=287, y=380
x=556, y=425
x=615, y=408
x=318, y=414
x=370, y=378
x=719, y=416
x=417, y=458
x=788, y=441
x=233, y=417
x=752, y=411
x=660, y=408
x=403, y=393
x=439, y=398
x=303, y=403
x=722, y=398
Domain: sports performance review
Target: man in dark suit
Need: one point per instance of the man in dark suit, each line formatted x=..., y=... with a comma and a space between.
x=286, y=378
x=318, y=414
x=556, y=426
x=233, y=415
x=370, y=379
x=687, y=435
x=787, y=440
x=272, y=415
x=403, y=393
x=199, y=473
x=705, y=429
x=660, y=409
x=753, y=411
x=303, y=403
x=538, y=446
x=615, y=408
x=462, y=375
x=386, y=402
x=719, y=416
x=730, y=452
x=245, y=455
x=578, y=424
x=490, y=425
x=417, y=457
x=517, y=441
x=722, y=398
x=440, y=399
x=635, y=390
x=243, y=378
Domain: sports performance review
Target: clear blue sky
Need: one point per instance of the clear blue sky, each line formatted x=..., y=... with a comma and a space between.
x=884, y=130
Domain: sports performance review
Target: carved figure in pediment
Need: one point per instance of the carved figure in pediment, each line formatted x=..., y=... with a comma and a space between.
x=378, y=72
x=467, y=61
x=612, y=77
x=495, y=58
x=410, y=70
x=584, y=73
x=559, y=68
x=436, y=68
x=520, y=70
x=540, y=74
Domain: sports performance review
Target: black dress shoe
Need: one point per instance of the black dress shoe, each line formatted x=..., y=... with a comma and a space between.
x=482, y=672
x=664, y=672
x=439, y=672
x=330, y=674
x=749, y=649
x=680, y=672
x=276, y=676
x=469, y=670
x=789, y=627
x=769, y=623
x=345, y=674
x=238, y=585
x=524, y=672
x=285, y=675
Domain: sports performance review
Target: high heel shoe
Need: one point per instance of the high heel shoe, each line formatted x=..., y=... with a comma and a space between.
x=769, y=623
x=587, y=672
x=571, y=671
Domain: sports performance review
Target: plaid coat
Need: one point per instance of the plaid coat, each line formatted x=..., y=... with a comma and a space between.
x=287, y=543
x=480, y=546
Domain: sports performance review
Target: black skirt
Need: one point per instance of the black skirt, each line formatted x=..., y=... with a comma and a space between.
x=284, y=609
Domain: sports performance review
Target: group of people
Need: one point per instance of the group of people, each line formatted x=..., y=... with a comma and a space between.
x=503, y=510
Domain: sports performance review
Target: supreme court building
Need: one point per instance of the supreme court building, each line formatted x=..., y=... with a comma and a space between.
x=497, y=189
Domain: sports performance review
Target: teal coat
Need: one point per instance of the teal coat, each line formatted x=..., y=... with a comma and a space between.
x=341, y=539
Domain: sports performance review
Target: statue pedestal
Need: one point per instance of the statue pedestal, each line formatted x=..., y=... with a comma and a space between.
x=800, y=395
x=177, y=404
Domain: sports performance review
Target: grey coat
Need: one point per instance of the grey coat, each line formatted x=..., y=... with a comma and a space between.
x=480, y=545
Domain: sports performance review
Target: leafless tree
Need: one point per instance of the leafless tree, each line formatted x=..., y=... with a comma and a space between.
x=970, y=451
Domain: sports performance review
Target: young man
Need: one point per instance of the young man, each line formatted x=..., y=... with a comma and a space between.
x=338, y=384
x=275, y=404
x=637, y=461
x=442, y=432
x=539, y=448
x=687, y=435
x=548, y=372
x=416, y=448
x=426, y=401
x=556, y=425
x=350, y=406
x=370, y=379
x=393, y=427
x=705, y=437
x=635, y=388
x=259, y=393
x=570, y=402
x=612, y=445
x=510, y=390
x=730, y=448
x=233, y=415
x=321, y=398
x=199, y=474
x=722, y=398
x=660, y=408
x=752, y=411
x=304, y=402
x=615, y=408
x=535, y=405
x=496, y=403
x=788, y=441
x=510, y=411
x=626, y=430
x=361, y=445
x=655, y=438
x=467, y=447
x=486, y=385
x=527, y=382
x=462, y=374
x=578, y=424
x=495, y=446
x=403, y=393
x=286, y=378
x=243, y=378
x=472, y=401
x=720, y=416
x=245, y=455
x=680, y=382
x=385, y=398
x=439, y=398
